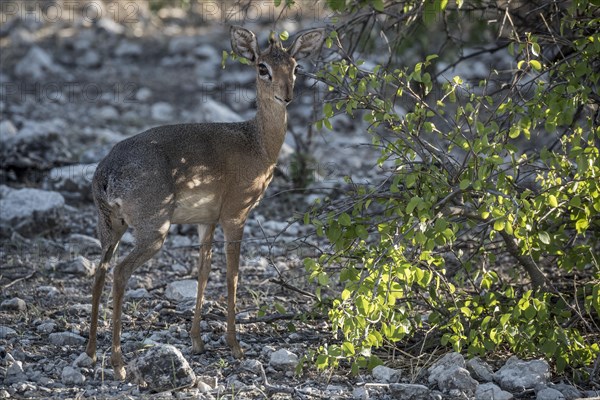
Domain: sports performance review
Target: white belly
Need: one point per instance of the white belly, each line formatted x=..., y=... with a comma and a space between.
x=197, y=207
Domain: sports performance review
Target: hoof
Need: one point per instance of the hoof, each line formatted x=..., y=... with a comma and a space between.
x=197, y=347
x=119, y=372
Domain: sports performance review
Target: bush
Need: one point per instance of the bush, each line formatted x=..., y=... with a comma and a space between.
x=483, y=234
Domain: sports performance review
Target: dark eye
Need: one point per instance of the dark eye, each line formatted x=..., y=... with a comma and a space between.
x=263, y=71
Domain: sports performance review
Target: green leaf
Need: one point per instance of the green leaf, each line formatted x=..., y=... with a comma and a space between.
x=535, y=64
x=345, y=220
x=552, y=201
x=544, y=237
x=284, y=35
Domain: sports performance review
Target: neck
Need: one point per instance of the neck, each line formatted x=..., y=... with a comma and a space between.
x=271, y=120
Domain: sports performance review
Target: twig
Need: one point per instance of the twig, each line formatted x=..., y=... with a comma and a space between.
x=19, y=280
x=287, y=285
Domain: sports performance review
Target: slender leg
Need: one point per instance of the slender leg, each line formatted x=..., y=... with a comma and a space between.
x=205, y=233
x=144, y=249
x=233, y=239
x=110, y=233
x=99, y=279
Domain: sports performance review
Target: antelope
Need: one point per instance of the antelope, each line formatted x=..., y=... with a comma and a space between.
x=202, y=173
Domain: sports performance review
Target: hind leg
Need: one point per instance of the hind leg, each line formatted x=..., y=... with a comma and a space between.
x=206, y=236
x=147, y=243
x=110, y=233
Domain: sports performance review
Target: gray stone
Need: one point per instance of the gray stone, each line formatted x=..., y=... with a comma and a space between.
x=66, y=339
x=385, y=374
x=162, y=111
x=360, y=393
x=106, y=113
x=182, y=44
x=47, y=291
x=127, y=48
x=83, y=360
x=36, y=64
x=30, y=211
x=72, y=376
x=449, y=373
x=79, y=266
x=490, y=391
x=518, y=375
x=570, y=392
x=161, y=368
x=7, y=332
x=140, y=293
x=182, y=290
x=15, y=372
x=480, y=370
x=547, y=393
x=89, y=59
x=251, y=365
x=283, y=360
x=76, y=179
x=14, y=304
x=46, y=327
x=408, y=391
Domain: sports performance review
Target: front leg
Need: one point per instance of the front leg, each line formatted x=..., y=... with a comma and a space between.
x=233, y=241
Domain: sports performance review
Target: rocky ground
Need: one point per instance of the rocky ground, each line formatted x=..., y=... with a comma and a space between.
x=72, y=88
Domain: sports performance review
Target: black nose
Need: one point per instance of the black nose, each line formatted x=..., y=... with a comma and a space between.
x=288, y=99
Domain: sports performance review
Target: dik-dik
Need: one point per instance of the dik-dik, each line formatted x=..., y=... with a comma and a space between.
x=204, y=174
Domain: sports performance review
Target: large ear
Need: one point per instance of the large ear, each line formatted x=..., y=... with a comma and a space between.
x=307, y=44
x=243, y=43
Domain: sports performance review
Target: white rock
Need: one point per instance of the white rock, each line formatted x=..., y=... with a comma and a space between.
x=449, y=373
x=30, y=211
x=66, y=339
x=283, y=359
x=7, y=129
x=518, y=375
x=36, y=64
x=7, y=332
x=161, y=368
x=72, y=376
x=143, y=94
x=14, y=372
x=385, y=374
x=14, y=304
x=214, y=111
x=79, y=266
x=489, y=391
x=183, y=290
x=110, y=26
x=162, y=111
